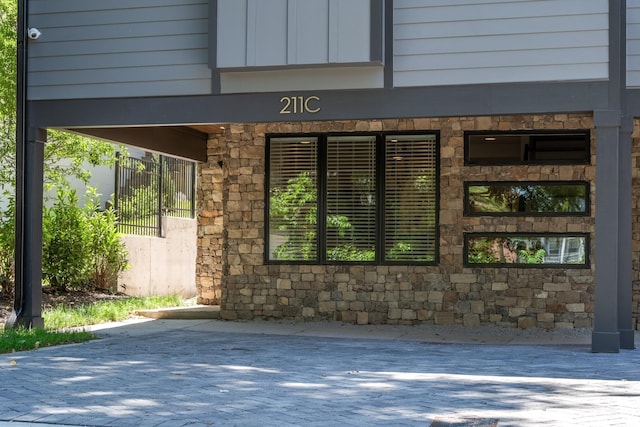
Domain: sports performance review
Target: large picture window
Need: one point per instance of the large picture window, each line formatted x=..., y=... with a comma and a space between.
x=345, y=198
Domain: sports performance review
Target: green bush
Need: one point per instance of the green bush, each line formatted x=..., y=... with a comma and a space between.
x=66, y=255
x=7, y=244
x=108, y=253
x=81, y=247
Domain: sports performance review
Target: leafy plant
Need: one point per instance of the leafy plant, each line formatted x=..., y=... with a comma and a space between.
x=494, y=250
x=7, y=244
x=293, y=211
x=142, y=202
x=66, y=243
x=350, y=253
x=407, y=250
x=108, y=252
x=482, y=251
x=81, y=247
x=529, y=254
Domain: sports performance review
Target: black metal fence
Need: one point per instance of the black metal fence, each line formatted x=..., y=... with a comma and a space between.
x=147, y=188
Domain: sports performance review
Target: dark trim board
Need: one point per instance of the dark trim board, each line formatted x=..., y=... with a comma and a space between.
x=443, y=101
x=376, y=53
x=388, y=43
x=176, y=141
x=632, y=102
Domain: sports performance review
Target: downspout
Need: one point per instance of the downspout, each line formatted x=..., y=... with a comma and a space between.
x=21, y=132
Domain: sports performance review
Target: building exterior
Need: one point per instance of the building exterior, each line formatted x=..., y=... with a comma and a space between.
x=373, y=161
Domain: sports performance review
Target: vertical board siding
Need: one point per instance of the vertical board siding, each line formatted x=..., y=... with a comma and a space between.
x=281, y=33
x=446, y=42
x=633, y=43
x=91, y=48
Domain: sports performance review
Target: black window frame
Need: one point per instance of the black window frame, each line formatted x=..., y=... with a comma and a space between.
x=470, y=213
x=470, y=235
x=535, y=136
x=321, y=169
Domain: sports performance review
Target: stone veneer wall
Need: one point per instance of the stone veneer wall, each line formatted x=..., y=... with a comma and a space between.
x=231, y=269
x=635, y=203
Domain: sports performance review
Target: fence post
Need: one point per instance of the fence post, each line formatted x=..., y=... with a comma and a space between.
x=116, y=192
x=160, y=193
x=193, y=190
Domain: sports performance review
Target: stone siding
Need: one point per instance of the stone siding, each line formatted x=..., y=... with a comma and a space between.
x=231, y=243
x=635, y=205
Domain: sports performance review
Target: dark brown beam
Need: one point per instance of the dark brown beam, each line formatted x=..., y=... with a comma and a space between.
x=175, y=141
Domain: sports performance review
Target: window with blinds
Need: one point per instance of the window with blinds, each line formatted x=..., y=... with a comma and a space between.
x=364, y=198
x=351, y=198
x=293, y=198
x=410, y=208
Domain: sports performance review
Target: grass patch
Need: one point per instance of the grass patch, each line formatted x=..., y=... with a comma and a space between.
x=62, y=317
x=21, y=339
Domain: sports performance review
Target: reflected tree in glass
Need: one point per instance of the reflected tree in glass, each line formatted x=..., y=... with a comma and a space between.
x=528, y=198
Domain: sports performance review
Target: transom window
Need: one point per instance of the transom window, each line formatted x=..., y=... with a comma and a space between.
x=526, y=147
x=527, y=250
x=505, y=198
x=345, y=198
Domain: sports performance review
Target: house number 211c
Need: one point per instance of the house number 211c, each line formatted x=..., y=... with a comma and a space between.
x=299, y=104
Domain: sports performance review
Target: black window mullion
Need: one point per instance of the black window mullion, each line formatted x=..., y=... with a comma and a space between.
x=380, y=199
x=322, y=199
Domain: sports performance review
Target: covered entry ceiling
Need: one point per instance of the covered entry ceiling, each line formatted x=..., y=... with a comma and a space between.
x=188, y=142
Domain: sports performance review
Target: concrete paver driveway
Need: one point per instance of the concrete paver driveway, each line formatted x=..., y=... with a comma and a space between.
x=212, y=373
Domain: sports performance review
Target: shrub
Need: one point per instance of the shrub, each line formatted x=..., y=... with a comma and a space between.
x=81, y=247
x=66, y=257
x=7, y=244
x=109, y=255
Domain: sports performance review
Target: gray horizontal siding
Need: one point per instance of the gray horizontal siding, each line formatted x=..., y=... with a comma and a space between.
x=633, y=43
x=91, y=48
x=494, y=41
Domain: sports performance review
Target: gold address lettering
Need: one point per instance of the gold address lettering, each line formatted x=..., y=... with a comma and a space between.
x=299, y=104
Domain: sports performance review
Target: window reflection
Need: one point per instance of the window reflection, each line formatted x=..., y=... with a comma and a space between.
x=570, y=198
x=544, y=249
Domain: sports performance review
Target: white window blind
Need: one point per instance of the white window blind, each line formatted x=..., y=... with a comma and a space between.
x=351, y=198
x=293, y=198
x=410, y=198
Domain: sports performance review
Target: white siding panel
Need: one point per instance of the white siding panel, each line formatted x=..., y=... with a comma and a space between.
x=91, y=48
x=633, y=43
x=492, y=41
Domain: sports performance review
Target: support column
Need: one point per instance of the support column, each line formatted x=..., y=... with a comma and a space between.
x=605, y=337
x=28, y=250
x=625, y=261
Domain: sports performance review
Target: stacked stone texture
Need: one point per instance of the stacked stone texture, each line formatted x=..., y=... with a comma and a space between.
x=635, y=229
x=231, y=241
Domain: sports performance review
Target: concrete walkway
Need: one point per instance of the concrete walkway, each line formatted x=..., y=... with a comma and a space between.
x=214, y=373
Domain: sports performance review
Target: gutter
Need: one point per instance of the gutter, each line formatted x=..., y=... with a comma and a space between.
x=21, y=132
